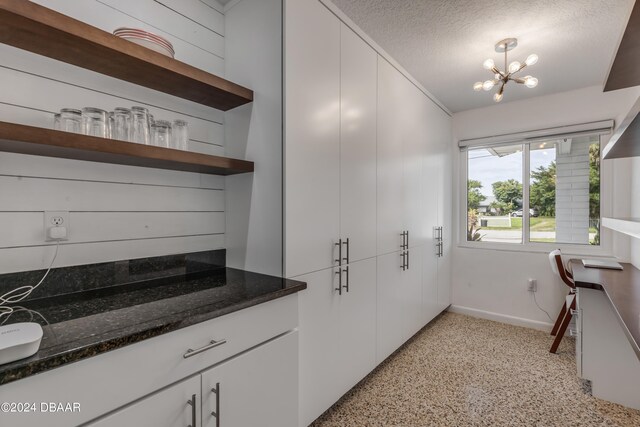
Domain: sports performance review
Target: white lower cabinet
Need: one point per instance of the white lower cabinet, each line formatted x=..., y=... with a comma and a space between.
x=607, y=358
x=337, y=334
x=399, y=303
x=256, y=388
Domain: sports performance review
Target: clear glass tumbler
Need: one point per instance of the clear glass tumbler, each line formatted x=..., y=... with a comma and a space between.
x=139, y=127
x=161, y=132
x=56, y=121
x=95, y=122
x=179, y=135
x=121, y=125
x=71, y=120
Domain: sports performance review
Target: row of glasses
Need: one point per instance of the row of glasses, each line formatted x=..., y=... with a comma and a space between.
x=135, y=125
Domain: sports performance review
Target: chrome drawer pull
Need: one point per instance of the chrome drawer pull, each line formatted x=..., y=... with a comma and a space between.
x=573, y=333
x=212, y=344
x=216, y=413
x=192, y=402
x=574, y=312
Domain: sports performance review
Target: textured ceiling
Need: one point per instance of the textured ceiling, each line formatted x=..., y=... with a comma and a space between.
x=443, y=43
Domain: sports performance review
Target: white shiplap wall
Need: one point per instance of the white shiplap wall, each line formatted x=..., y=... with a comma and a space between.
x=116, y=212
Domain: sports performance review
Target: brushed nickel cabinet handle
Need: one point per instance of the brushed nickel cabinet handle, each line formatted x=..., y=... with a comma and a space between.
x=346, y=259
x=192, y=402
x=216, y=413
x=212, y=344
x=346, y=270
x=403, y=266
x=339, y=288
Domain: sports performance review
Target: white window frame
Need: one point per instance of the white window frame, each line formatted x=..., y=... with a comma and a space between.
x=606, y=186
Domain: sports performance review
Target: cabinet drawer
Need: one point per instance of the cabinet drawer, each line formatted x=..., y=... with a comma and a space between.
x=105, y=382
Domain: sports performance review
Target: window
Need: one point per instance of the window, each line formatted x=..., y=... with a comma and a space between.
x=547, y=191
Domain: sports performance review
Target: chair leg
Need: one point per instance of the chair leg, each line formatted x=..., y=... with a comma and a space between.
x=559, y=319
x=563, y=327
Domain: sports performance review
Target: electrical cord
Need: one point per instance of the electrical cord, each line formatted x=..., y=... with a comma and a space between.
x=18, y=294
x=542, y=309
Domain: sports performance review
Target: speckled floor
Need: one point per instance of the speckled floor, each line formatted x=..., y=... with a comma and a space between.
x=463, y=371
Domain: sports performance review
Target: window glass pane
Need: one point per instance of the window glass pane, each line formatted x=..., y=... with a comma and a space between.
x=494, y=194
x=564, y=192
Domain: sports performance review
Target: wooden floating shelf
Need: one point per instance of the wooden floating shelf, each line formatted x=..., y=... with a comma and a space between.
x=625, y=69
x=629, y=226
x=40, y=30
x=23, y=139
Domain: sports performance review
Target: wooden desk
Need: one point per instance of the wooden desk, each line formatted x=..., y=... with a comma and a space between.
x=622, y=288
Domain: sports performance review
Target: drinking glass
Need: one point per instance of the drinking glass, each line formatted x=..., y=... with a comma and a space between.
x=161, y=132
x=71, y=120
x=121, y=125
x=110, y=125
x=94, y=122
x=139, y=127
x=179, y=135
x=56, y=121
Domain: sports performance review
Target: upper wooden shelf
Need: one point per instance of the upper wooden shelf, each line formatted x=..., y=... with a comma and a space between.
x=625, y=69
x=23, y=139
x=35, y=28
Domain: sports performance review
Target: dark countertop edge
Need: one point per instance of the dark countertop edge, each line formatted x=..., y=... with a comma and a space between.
x=598, y=287
x=156, y=328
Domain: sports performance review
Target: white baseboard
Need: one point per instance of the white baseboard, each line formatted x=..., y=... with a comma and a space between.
x=503, y=318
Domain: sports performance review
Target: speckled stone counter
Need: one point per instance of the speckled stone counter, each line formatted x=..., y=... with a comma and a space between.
x=86, y=323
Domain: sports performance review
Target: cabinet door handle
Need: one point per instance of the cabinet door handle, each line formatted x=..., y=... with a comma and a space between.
x=404, y=236
x=407, y=259
x=346, y=259
x=406, y=246
x=212, y=344
x=346, y=270
x=216, y=413
x=403, y=266
x=339, y=245
x=339, y=288
x=192, y=402
x=573, y=333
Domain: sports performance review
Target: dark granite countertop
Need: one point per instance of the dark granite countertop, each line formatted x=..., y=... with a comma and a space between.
x=622, y=288
x=90, y=322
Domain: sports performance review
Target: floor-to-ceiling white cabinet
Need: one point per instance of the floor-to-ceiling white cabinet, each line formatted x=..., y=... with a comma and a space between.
x=366, y=159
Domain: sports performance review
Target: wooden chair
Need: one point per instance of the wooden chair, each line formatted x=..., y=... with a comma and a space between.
x=564, y=317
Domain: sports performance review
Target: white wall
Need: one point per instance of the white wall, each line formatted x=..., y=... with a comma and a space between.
x=116, y=212
x=492, y=283
x=635, y=208
x=254, y=132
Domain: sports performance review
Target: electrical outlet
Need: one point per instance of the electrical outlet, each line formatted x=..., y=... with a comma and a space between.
x=55, y=219
x=532, y=285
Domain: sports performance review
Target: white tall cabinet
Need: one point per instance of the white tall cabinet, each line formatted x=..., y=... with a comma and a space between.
x=365, y=153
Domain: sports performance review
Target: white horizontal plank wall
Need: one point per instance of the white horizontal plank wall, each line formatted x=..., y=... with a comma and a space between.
x=116, y=211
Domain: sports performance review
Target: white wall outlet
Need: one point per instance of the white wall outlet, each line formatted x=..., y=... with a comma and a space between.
x=532, y=285
x=58, y=220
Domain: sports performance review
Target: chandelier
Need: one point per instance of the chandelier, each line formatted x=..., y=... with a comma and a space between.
x=503, y=77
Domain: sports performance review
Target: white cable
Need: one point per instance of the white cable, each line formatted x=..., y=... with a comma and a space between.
x=545, y=311
x=22, y=292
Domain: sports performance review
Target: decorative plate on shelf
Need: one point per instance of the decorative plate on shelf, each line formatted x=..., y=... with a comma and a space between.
x=146, y=39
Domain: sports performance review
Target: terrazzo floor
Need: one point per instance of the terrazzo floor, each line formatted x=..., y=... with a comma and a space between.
x=463, y=371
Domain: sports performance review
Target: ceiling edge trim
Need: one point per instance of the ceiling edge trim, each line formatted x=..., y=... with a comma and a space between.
x=375, y=46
